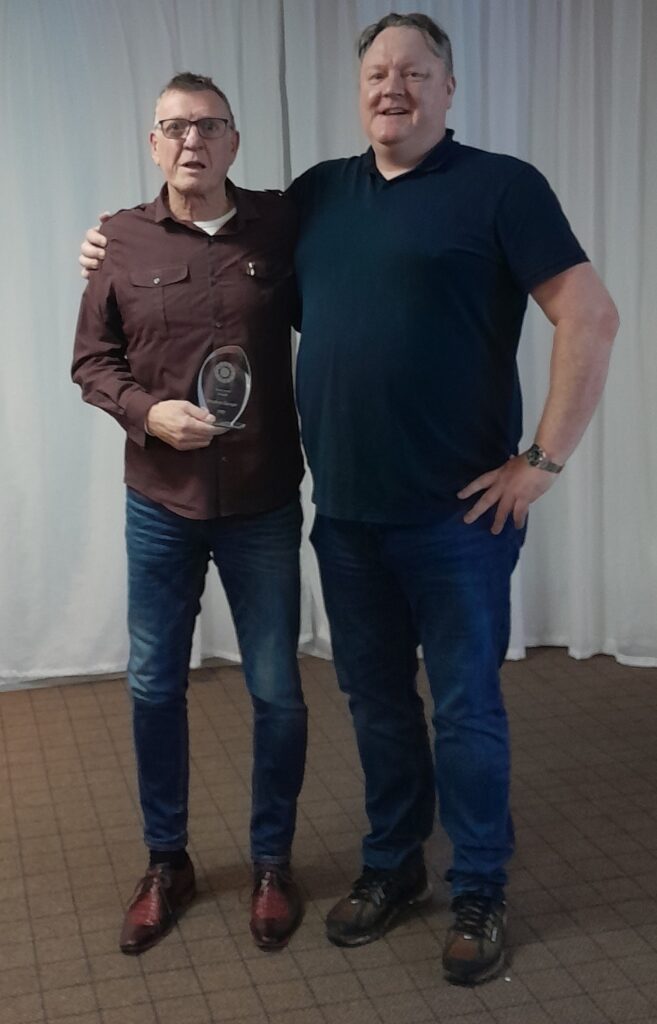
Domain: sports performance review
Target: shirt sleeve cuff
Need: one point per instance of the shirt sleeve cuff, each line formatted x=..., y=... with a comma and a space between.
x=136, y=411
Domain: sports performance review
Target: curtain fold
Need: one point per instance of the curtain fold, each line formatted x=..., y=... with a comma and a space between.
x=570, y=85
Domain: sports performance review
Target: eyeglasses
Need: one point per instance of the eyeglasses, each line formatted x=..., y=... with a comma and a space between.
x=207, y=127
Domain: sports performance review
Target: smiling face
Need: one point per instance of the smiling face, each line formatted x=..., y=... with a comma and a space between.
x=194, y=168
x=405, y=93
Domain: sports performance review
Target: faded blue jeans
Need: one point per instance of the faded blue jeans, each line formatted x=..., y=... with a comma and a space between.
x=258, y=562
x=446, y=586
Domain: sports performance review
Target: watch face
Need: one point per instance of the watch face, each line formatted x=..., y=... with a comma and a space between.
x=536, y=457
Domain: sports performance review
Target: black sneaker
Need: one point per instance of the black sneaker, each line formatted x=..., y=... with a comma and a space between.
x=474, y=945
x=375, y=900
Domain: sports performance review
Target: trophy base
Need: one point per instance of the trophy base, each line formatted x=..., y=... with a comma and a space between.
x=223, y=428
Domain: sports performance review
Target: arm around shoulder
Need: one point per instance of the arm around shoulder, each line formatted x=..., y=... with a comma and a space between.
x=92, y=247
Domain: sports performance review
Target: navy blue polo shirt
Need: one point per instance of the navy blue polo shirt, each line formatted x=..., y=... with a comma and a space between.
x=413, y=295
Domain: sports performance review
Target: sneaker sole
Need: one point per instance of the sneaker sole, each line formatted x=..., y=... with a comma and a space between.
x=384, y=926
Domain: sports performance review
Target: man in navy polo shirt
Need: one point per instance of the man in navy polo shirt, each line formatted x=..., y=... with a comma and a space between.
x=414, y=263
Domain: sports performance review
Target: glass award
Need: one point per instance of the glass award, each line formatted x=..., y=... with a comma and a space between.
x=224, y=386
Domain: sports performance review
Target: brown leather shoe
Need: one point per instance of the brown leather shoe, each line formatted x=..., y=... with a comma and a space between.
x=160, y=898
x=276, y=906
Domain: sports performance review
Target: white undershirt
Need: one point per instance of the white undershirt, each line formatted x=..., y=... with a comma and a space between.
x=212, y=226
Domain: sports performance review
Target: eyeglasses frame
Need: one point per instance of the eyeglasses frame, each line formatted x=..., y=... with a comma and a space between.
x=190, y=124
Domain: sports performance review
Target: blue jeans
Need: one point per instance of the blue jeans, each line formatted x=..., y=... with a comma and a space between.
x=258, y=562
x=445, y=585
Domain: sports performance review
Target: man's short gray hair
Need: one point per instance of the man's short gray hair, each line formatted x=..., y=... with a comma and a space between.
x=436, y=38
x=187, y=81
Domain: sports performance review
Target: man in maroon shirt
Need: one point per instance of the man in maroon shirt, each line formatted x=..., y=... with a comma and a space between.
x=202, y=277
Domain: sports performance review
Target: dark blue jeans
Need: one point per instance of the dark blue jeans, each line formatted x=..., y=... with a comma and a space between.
x=446, y=586
x=258, y=562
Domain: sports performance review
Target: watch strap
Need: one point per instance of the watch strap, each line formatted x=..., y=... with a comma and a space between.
x=539, y=460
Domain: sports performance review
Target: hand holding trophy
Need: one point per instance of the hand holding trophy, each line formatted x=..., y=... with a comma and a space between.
x=224, y=386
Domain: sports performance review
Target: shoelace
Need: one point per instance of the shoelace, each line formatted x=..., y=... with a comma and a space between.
x=475, y=915
x=373, y=886
x=145, y=909
x=271, y=900
x=273, y=876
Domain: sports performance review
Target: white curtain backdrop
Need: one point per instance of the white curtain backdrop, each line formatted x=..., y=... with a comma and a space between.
x=569, y=84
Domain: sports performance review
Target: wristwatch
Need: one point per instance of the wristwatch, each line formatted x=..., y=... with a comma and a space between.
x=537, y=457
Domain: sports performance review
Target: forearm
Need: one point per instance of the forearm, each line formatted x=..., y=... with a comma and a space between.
x=100, y=366
x=112, y=389
x=580, y=359
x=585, y=324
x=578, y=370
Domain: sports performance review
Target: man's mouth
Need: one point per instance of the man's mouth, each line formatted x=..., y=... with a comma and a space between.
x=194, y=165
x=394, y=112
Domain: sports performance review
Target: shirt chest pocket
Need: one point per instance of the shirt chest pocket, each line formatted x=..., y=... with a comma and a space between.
x=267, y=286
x=265, y=273
x=162, y=297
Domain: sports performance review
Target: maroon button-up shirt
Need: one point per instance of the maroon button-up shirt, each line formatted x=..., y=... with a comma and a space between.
x=166, y=296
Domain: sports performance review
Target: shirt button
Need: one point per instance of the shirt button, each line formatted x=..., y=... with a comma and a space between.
x=156, y=280
x=224, y=459
x=217, y=324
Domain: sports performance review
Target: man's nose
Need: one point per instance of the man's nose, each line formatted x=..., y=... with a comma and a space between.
x=393, y=84
x=193, y=139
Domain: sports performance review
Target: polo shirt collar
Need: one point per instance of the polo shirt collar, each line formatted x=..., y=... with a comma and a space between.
x=434, y=159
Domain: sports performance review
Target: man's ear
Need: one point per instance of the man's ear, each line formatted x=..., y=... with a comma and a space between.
x=152, y=141
x=451, y=87
x=236, y=144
